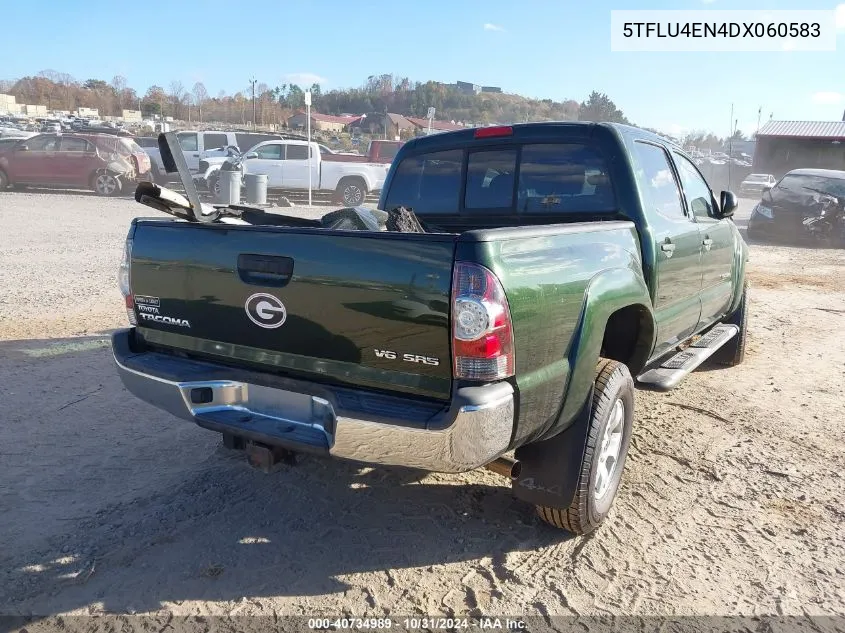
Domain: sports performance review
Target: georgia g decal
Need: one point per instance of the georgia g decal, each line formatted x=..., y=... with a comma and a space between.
x=265, y=310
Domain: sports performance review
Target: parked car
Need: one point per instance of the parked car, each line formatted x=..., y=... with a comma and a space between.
x=286, y=165
x=559, y=261
x=782, y=209
x=100, y=162
x=198, y=146
x=208, y=175
x=756, y=184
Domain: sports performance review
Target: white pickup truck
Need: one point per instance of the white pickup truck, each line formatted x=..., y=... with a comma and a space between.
x=286, y=164
x=200, y=145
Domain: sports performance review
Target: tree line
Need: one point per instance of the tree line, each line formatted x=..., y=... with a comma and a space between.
x=273, y=104
x=379, y=93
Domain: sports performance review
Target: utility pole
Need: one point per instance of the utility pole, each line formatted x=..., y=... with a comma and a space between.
x=252, y=81
x=759, y=114
x=730, y=146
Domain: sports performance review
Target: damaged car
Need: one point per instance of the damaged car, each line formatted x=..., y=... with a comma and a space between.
x=100, y=162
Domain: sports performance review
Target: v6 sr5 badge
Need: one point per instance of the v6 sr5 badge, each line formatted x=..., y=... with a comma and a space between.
x=408, y=358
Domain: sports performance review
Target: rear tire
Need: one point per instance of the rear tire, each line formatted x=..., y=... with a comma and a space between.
x=4, y=180
x=608, y=438
x=351, y=191
x=106, y=184
x=732, y=353
x=214, y=186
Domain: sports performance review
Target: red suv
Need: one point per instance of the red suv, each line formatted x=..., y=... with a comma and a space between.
x=102, y=162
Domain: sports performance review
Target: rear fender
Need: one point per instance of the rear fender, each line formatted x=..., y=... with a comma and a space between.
x=550, y=468
x=607, y=292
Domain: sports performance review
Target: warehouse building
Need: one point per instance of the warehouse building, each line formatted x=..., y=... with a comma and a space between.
x=785, y=145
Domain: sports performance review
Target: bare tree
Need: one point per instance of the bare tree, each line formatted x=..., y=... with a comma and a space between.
x=67, y=82
x=200, y=97
x=177, y=97
x=118, y=82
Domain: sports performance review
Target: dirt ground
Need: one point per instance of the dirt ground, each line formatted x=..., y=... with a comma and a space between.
x=731, y=502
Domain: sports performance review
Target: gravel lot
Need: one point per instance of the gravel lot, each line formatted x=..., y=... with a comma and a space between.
x=731, y=503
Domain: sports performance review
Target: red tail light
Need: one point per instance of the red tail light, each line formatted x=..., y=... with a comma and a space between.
x=482, y=331
x=124, y=280
x=490, y=132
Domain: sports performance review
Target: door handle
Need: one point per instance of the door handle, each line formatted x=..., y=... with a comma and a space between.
x=707, y=243
x=265, y=270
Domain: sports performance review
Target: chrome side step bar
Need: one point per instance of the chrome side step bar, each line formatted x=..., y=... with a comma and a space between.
x=672, y=371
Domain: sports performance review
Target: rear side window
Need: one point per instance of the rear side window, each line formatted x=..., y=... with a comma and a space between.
x=430, y=183
x=297, y=152
x=213, y=141
x=74, y=144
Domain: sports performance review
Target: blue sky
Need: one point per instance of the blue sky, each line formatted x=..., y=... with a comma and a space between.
x=554, y=49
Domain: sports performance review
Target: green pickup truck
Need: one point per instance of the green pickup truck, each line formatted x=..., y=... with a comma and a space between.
x=559, y=264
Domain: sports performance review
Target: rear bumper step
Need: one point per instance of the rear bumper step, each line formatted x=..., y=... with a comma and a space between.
x=674, y=369
x=473, y=431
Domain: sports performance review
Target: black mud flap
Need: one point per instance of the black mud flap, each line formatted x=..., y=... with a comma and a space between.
x=549, y=469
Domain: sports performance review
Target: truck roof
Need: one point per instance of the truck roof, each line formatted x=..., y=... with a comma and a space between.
x=529, y=131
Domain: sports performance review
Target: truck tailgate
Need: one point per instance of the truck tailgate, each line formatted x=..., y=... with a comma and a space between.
x=350, y=308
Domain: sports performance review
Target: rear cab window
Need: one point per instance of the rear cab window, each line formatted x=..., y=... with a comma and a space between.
x=214, y=141
x=517, y=179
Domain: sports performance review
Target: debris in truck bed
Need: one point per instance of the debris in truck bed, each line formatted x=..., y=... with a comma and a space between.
x=355, y=219
x=404, y=221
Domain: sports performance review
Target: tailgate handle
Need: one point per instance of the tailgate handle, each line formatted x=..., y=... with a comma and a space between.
x=265, y=270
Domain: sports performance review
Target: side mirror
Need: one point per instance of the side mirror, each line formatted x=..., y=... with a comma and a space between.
x=728, y=204
x=252, y=155
x=767, y=188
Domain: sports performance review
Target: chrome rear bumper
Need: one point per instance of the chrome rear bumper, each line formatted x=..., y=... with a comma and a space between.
x=472, y=431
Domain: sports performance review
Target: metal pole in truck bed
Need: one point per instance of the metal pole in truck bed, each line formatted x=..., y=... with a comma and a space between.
x=308, y=123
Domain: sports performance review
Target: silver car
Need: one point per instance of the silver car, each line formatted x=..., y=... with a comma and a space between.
x=756, y=184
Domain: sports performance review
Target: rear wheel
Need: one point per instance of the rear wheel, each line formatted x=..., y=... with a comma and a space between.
x=608, y=438
x=732, y=353
x=106, y=184
x=352, y=191
x=4, y=180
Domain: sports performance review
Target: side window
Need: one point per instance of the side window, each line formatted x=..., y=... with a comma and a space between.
x=214, y=141
x=297, y=152
x=42, y=143
x=427, y=184
x=697, y=191
x=188, y=141
x=272, y=152
x=658, y=182
x=72, y=144
x=490, y=179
